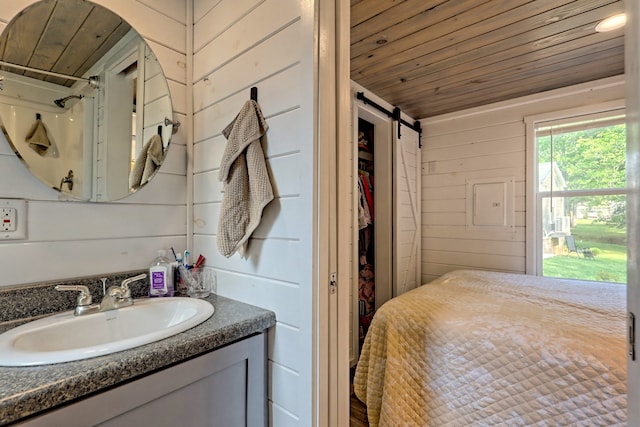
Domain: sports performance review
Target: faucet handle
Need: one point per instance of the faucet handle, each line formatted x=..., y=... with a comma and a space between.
x=85, y=296
x=125, y=283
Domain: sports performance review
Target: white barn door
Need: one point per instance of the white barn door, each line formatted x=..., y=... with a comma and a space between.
x=406, y=209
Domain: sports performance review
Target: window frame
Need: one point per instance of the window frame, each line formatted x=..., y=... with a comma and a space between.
x=533, y=197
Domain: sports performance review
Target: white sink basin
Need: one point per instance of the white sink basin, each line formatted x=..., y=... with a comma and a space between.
x=64, y=337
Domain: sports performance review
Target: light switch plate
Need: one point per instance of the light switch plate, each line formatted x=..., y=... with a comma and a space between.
x=13, y=219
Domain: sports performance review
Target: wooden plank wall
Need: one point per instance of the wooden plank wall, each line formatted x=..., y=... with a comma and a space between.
x=267, y=44
x=73, y=239
x=485, y=142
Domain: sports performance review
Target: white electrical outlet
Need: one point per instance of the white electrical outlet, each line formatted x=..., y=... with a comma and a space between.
x=8, y=219
x=13, y=219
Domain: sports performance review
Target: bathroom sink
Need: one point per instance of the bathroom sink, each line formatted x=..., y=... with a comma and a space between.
x=64, y=337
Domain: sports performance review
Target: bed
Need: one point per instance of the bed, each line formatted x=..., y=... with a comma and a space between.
x=476, y=348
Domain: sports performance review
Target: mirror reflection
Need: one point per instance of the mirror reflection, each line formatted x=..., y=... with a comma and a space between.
x=83, y=100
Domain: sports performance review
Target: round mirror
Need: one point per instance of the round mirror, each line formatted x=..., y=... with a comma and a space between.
x=83, y=100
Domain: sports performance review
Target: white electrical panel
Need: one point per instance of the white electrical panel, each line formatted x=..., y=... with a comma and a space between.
x=13, y=219
x=491, y=204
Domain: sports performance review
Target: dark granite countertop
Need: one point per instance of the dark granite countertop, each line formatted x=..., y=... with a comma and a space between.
x=26, y=391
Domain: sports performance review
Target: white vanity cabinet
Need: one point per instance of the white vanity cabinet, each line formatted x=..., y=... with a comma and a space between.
x=225, y=387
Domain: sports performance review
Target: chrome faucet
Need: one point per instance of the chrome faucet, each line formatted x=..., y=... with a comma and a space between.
x=119, y=296
x=115, y=297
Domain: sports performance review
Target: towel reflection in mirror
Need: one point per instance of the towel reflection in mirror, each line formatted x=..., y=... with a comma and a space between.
x=39, y=141
x=147, y=162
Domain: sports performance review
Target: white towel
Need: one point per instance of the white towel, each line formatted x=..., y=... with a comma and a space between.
x=247, y=188
x=149, y=159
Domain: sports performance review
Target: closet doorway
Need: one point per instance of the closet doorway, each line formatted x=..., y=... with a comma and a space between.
x=372, y=269
x=387, y=211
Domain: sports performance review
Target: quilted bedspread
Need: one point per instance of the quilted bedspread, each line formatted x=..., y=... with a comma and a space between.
x=479, y=348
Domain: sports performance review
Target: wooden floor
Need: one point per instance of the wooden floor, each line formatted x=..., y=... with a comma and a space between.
x=358, y=416
x=358, y=410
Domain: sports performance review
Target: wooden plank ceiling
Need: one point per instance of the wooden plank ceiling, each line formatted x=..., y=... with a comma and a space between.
x=431, y=57
x=65, y=37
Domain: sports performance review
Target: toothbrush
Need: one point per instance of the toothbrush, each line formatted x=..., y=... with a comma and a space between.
x=199, y=262
x=185, y=258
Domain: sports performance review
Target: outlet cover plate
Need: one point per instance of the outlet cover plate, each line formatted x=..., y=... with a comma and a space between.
x=20, y=232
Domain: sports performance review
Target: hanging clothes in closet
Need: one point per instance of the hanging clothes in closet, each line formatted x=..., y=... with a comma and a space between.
x=366, y=218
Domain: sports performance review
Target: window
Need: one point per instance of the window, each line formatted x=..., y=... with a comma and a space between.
x=580, y=197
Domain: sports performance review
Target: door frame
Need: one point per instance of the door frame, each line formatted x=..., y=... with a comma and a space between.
x=331, y=390
x=632, y=73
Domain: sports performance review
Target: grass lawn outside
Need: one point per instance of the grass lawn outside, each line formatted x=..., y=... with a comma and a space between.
x=609, y=263
x=588, y=230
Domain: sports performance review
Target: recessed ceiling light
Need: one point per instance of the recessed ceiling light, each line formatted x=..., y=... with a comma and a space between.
x=612, y=23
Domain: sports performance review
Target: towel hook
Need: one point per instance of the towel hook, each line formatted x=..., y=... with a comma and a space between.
x=254, y=94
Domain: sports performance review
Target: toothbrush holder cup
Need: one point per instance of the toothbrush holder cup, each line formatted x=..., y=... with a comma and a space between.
x=199, y=282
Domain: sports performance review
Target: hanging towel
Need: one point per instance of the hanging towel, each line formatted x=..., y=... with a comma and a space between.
x=37, y=138
x=246, y=185
x=149, y=159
